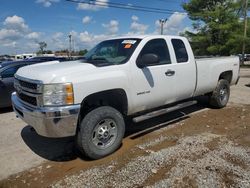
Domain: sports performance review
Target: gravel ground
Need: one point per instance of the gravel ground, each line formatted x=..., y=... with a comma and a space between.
x=191, y=159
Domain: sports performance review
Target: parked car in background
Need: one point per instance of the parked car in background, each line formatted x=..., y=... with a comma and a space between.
x=47, y=58
x=4, y=60
x=245, y=58
x=7, y=71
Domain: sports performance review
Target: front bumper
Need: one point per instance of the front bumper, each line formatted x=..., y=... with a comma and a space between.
x=48, y=121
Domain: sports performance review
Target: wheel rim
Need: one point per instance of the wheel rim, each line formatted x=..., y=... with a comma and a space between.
x=223, y=94
x=105, y=133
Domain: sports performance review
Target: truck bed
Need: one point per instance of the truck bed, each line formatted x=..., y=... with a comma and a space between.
x=209, y=70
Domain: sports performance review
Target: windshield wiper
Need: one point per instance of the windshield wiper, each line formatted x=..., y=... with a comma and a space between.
x=96, y=60
x=99, y=61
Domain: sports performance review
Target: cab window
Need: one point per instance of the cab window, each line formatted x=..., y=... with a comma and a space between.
x=158, y=47
x=180, y=50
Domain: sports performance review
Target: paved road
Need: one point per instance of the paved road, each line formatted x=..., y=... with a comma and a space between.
x=21, y=148
x=240, y=93
x=15, y=155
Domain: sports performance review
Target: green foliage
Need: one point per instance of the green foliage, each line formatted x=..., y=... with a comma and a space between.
x=82, y=52
x=217, y=26
x=48, y=52
x=74, y=53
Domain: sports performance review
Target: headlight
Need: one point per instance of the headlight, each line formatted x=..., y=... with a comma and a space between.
x=58, y=94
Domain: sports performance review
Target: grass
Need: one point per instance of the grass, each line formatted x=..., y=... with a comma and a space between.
x=245, y=66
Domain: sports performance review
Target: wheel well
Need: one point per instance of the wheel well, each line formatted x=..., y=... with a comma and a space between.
x=226, y=76
x=115, y=98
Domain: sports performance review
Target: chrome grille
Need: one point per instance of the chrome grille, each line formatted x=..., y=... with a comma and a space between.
x=27, y=99
x=28, y=85
x=28, y=91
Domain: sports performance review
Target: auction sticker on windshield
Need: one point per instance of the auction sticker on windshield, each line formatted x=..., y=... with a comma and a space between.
x=129, y=42
x=128, y=46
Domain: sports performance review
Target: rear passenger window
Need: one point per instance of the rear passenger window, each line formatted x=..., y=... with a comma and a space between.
x=180, y=50
x=158, y=47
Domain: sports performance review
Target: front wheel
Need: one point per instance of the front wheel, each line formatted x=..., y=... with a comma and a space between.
x=101, y=132
x=220, y=95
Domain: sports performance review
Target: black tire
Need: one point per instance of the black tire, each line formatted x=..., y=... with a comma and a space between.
x=220, y=96
x=101, y=132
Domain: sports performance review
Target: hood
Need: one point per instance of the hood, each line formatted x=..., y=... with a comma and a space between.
x=47, y=72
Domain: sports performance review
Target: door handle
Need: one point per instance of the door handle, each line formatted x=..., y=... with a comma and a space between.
x=170, y=72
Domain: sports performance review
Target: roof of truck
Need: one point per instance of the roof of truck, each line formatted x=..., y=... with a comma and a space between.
x=143, y=36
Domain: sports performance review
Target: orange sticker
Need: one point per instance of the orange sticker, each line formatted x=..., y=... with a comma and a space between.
x=128, y=46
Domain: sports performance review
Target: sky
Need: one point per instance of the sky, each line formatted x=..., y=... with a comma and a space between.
x=24, y=23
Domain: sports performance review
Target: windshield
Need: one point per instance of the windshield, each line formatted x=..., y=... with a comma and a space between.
x=112, y=52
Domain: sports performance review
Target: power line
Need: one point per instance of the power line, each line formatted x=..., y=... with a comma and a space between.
x=124, y=6
x=174, y=1
x=127, y=7
x=134, y=6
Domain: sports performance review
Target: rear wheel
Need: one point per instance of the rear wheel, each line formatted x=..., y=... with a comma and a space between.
x=101, y=132
x=220, y=96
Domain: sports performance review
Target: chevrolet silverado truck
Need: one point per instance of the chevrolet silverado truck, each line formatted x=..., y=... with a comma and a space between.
x=139, y=77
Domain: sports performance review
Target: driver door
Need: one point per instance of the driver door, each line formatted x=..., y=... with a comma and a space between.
x=154, y=85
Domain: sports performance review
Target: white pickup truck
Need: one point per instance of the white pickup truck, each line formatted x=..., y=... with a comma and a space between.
x=133, y=76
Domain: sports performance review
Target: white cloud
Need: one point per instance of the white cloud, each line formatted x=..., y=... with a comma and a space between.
x=136, y=27
x=33, y=45
x=33, y=35
x=15, y=22
x=86, y=19
x=58, y=41
x=57, y=35
x=89, y=40
x=10, y=44
x=85, y=37
x=93, y=5
x=74, y=34
x=47, y=3
x=174, y=25
x=9, y=34
x=80, y=40
x=15, y=35
x=112, y=26
x=15, y=29
x=135, y=18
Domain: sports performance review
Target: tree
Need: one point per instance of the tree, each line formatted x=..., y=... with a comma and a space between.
x=83, y=52
x=48, y=51
x=42, y=46
x=217, y=26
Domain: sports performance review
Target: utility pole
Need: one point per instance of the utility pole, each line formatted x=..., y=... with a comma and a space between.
x=73, y=45
x=245, y=29
x=162, y=22
x=70, y=45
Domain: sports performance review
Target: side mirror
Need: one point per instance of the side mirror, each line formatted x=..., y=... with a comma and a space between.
x=147, y=59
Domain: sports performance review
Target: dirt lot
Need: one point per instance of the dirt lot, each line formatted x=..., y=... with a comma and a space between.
x=195, y=147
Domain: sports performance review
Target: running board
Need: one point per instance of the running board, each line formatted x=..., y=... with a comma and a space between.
x=163, y=111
